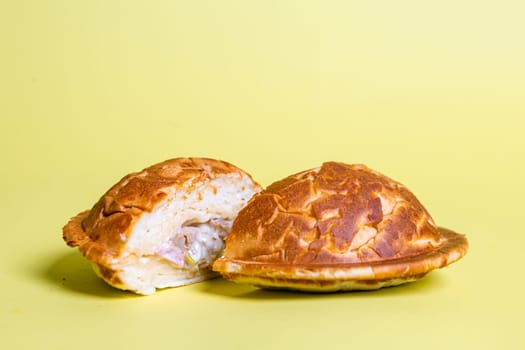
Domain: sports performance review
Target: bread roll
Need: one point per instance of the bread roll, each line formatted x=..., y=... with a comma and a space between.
x=164, y=226
x=336, y=227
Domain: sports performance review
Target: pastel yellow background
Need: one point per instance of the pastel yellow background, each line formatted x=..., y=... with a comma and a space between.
x=431, y=93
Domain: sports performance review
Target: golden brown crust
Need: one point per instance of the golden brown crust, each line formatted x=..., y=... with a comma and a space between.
x=100, y=232
x=335, y=214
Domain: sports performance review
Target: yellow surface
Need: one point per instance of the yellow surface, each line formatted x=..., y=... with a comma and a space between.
x=431, y=93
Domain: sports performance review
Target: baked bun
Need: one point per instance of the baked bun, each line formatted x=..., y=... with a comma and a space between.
x=164, y=226
x=337, y=227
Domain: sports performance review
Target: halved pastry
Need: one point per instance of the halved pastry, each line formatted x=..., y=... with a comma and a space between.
x=164, y=226
x=336, y=227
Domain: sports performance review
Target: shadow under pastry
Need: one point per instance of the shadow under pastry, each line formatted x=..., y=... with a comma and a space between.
x=73, y=273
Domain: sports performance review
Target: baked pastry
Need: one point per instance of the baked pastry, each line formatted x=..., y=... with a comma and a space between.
x=336, y=227
x=164, y=226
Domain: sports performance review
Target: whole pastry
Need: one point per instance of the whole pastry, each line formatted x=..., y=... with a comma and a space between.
x=336, y=227
x=164, y=226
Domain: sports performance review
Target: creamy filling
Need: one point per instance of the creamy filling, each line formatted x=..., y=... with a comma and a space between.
x=197, y=244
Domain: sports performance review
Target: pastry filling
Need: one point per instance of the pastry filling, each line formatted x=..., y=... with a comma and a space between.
x=197, y=244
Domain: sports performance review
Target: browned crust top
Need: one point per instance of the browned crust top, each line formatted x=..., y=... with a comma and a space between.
x=314, y=216
x=100, y=232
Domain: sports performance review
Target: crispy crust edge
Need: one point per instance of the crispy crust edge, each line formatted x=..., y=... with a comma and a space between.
x=73, y=233
x=351, y=276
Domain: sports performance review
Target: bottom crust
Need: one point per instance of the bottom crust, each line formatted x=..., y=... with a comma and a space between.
x=127, y=280
x=345, y=277
x=319, y=286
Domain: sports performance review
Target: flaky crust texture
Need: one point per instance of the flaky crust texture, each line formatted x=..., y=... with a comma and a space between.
x=335, y=214
x=101, y=232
